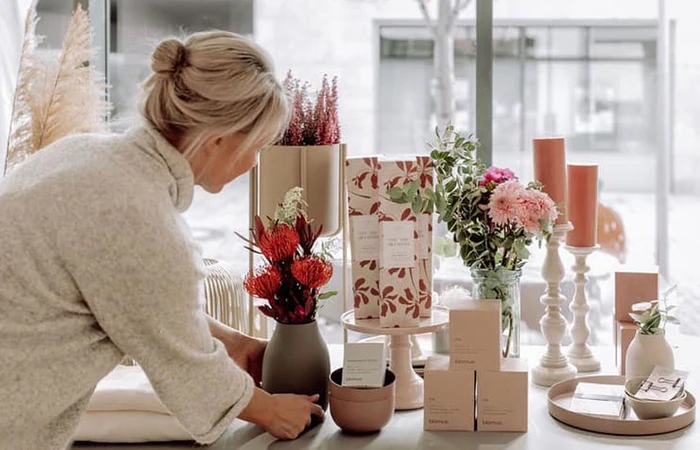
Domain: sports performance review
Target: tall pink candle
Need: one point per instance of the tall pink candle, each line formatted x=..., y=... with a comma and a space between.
x=583, y=205
x=550, y=169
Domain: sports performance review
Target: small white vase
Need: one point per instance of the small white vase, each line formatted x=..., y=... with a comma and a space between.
x=645, y=352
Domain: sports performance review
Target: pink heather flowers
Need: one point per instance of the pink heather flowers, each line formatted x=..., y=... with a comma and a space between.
x=496, y=175
x=312, y=122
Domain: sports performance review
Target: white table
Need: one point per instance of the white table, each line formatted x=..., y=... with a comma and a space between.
x=406, y=428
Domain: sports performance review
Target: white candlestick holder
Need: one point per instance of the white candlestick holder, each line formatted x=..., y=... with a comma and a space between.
x=580, y=353
x=554, y=366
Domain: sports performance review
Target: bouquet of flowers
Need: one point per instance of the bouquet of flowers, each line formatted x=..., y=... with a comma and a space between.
x=490, y=215
x=293, y=274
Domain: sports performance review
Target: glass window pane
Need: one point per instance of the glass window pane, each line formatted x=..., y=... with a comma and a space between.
x=137, y=26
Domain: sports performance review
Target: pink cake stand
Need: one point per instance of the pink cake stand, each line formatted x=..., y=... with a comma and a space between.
x=409, y=386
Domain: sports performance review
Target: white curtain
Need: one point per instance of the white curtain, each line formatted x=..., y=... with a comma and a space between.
x=11, y=35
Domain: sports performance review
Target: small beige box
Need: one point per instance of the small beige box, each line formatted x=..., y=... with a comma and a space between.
x=475, y=335
x=632, y=286
x=502, y=397
x=448, y=397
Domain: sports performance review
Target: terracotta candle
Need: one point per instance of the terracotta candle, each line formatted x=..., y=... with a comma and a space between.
x=583, y=205
x=550, y=170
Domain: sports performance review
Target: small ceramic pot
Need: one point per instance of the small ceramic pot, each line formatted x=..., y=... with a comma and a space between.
x=650, y=409
x=645, y=352
x=362, y=410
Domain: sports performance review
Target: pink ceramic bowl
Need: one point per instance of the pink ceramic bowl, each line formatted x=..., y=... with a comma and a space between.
x=361, y=410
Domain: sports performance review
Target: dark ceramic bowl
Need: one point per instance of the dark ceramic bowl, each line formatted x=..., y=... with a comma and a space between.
x=362, y=410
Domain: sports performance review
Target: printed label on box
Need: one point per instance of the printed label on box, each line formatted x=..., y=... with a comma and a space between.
x=398, y=244
x=365, y=238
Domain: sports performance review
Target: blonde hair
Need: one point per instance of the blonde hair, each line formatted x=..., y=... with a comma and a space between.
x=214, y=84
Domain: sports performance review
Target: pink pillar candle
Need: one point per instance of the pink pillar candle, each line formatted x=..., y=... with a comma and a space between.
x=583, y=205
x=550, y=170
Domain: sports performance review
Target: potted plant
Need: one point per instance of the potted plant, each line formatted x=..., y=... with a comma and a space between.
x=307, y=156
x=649, y=347
x=493, y=218
x=290, y=282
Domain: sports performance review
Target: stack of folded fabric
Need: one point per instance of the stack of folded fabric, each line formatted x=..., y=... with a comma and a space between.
x=125, y=408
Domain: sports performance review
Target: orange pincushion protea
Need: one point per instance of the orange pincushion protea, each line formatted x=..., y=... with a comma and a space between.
x=280, y=243
x=312, y=272
x=263, y=283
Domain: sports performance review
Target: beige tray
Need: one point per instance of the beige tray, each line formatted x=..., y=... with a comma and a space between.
x=559, y=399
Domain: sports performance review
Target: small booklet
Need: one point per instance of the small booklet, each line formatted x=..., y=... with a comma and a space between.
x=662, y=385
x=599, y=400
x=364, y=365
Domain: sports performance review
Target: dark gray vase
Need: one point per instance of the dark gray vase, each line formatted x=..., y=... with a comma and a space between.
x=296, y=362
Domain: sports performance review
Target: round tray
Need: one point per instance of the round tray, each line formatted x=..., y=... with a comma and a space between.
x=560, y=395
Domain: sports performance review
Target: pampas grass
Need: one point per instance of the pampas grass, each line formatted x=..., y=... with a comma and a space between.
x=63, y=97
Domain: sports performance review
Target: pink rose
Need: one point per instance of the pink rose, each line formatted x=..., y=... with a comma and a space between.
x=496, y=175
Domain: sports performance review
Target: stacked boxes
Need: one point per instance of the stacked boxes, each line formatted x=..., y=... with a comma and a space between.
x=398, y=284
x=496, y=388
x=424, y=228
x=391, y=244
x=361, y=179
x=632, y=286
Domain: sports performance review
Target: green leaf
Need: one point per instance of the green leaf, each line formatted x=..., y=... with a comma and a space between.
x=636, y=317
x=327, y=295
x=395, y=193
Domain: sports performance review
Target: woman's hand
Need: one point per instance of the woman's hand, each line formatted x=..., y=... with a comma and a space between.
x=247, y=352
x=284, y=416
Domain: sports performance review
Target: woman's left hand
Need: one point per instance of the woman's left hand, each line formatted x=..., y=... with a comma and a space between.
x=248, y=353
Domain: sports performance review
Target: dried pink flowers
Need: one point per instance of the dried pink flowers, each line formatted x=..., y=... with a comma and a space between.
x=312, y=122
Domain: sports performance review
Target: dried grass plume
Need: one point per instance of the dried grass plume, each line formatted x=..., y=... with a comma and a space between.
x=55, y=99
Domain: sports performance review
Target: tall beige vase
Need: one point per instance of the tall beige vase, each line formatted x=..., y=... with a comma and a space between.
x=315, y=168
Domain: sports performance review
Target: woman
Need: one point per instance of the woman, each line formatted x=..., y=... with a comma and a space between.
x=96, y=262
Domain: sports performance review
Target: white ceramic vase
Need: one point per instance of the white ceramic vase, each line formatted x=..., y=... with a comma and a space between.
x=645, y=352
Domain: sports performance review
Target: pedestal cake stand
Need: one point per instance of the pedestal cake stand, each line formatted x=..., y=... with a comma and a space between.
x=409, y=386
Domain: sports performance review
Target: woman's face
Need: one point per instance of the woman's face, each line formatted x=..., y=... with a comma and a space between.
x=215, y=165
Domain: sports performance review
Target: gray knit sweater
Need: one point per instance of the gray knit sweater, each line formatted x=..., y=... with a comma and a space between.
x=95, y=263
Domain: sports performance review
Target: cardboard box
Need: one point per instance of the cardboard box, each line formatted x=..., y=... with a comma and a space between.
x=633, y=285
x=448, y=397
x=362, y=182
x=475, y=335
x=398, y=276
x=502, y=397
x=424, y=227
x=624, y=333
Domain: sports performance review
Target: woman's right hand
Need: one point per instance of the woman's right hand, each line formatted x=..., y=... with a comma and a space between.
x=284, y=416
x=291, y=414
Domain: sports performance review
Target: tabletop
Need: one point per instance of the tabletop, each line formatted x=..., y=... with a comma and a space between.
x=406, y=427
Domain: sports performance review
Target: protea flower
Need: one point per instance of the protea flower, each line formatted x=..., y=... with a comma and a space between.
x=312, y=272
x=278, y=244
x=263, y=283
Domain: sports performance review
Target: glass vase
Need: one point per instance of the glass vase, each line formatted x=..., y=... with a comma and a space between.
x=503, y=285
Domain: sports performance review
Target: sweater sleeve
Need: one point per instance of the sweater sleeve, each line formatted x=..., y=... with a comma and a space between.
x=139, y=274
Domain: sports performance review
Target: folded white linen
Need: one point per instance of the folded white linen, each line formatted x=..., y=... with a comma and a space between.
x=129, y=427
x=125, y=408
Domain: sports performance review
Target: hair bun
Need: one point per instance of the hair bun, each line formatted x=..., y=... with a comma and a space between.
x=169, y=57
